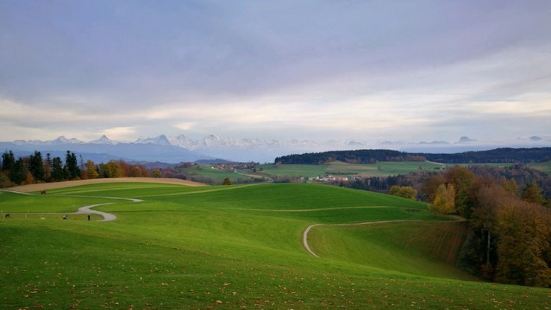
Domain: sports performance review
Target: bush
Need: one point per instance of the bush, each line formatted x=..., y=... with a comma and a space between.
x=403, y=191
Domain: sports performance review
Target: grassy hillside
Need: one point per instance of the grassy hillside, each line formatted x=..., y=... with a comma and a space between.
x=237, y=246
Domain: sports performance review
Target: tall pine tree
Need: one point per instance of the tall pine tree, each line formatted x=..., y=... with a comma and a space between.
x=71, y=166
x=36, y=166
x=18, y=172
x=57, y=170
x=8, y=160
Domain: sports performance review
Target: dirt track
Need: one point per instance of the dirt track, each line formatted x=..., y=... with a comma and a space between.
x=55, y=185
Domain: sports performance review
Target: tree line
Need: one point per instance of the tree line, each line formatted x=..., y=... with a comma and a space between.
x=500, y=155
x=38, y=169
x=509, y=224
x=509, y=236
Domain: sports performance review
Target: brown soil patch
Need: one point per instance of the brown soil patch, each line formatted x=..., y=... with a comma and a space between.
x=55, y=185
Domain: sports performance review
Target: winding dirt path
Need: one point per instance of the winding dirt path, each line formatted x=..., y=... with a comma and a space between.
x=107, y=217
x=87, y=210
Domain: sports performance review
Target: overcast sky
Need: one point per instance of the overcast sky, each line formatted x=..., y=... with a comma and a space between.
x=379, y=70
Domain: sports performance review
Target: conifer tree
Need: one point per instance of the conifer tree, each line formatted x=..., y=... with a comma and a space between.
x=8, y=160
x=18, y=172
x=58, y=173
x=36, y=166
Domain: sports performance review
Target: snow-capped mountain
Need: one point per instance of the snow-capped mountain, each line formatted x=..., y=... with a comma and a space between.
x=159, y=140
x=103, y=140
x=186, y=148
x=157, y=149
x=56, y=141
x=63, y=140
x=185, y=142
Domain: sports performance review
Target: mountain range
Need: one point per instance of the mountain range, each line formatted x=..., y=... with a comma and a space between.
x=183, y=148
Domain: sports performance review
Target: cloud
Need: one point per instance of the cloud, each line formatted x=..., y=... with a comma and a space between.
x=465, y=139
x=356, y=70
x=535, y=138
x=434, y=142
x=184, y=125
x=120, y=133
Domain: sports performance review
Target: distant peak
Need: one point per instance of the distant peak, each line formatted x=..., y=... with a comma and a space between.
x=103, y=140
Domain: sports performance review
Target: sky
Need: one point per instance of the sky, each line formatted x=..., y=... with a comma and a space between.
x=371, y=70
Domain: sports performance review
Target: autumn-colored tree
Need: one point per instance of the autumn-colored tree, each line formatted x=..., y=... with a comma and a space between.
x=444, y=199
x=29, y=179
x=4, y=180
x=532, y=193
x=510, y=186
x=430, y=186
x=403, y=191
x=462, y=179
x=156, y=173
x=111, y=169
x=91, y=170
x=137, y=171
x=524, y=241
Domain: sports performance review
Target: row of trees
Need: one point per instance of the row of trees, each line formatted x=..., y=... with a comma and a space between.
x=507, y=211
x=509, y=237
x=27, y=170
x=36, y=169
x=500, y=155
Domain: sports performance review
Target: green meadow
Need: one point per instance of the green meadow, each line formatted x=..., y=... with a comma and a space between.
x=237, y=246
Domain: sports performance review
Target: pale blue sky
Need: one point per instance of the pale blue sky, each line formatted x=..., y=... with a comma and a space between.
x=380, y=70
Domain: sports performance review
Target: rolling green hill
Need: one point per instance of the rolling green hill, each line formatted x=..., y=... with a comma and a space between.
x=237, y=246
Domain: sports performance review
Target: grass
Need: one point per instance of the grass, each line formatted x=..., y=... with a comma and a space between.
x=203, y=172
x=543, y=166
x=238, y=246
x=347, y=169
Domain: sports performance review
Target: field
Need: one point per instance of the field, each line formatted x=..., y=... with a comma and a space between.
x=265, y=172
x=209, y=174
x=237, y=246
x=348, y=169
x=543, y=166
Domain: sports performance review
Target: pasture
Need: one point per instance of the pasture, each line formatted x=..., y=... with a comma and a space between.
x=240, y=246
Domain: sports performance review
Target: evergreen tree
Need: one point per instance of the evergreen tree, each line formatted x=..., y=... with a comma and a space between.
x=58, y=173
x=48, y=168
x=18, y=172
x=71, y=166
x=36, y=166
x=8, y=160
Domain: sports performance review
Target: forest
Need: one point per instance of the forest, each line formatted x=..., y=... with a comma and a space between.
x=36, y=169
x=499, y=155
x=507, y=213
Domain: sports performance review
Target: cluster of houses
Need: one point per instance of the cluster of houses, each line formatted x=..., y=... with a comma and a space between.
x=331, y=178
